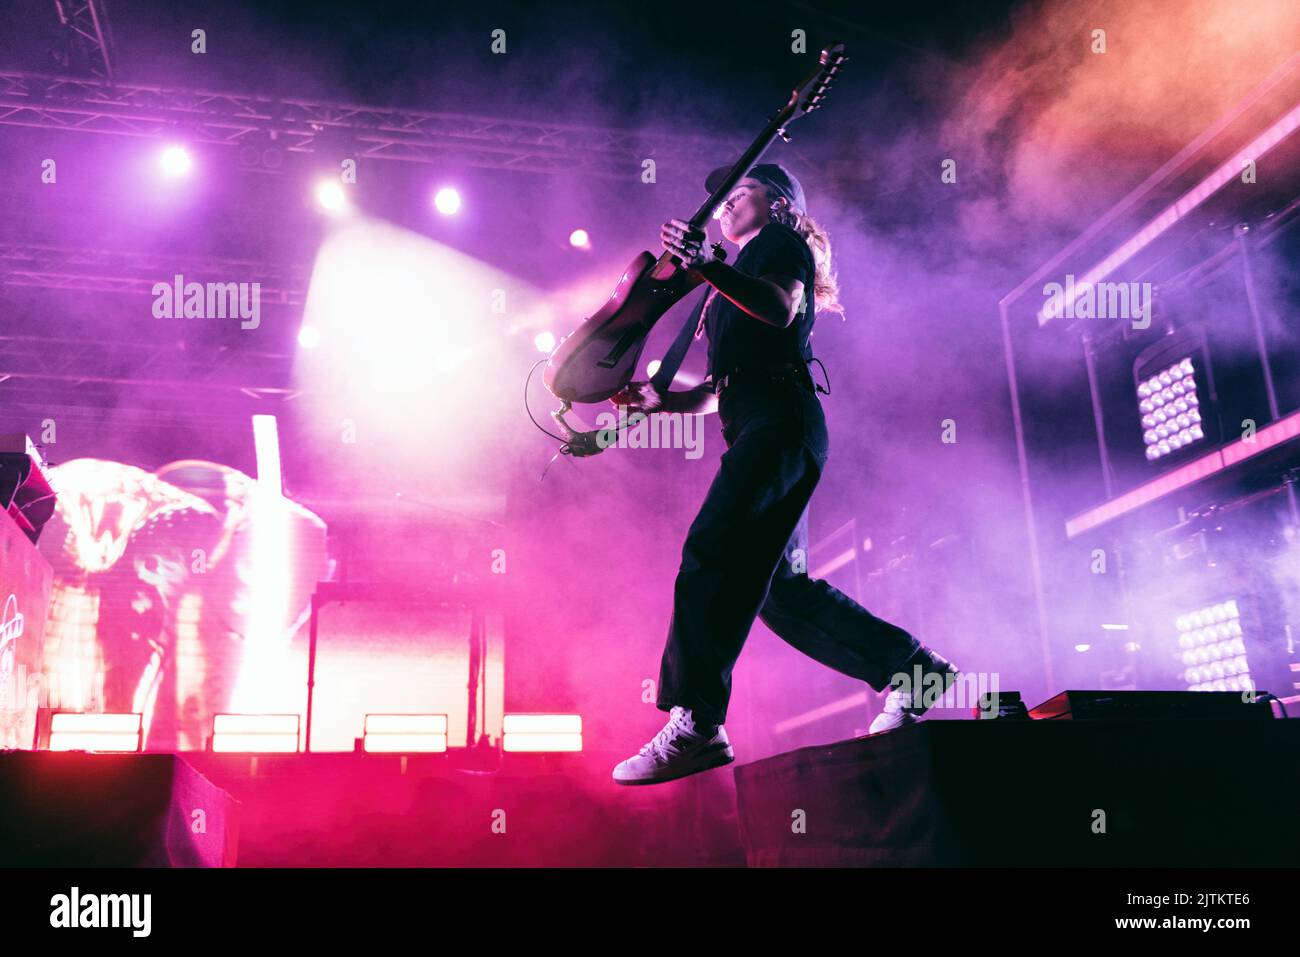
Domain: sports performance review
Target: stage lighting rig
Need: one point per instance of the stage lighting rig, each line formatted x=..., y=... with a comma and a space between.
x=1176, y=400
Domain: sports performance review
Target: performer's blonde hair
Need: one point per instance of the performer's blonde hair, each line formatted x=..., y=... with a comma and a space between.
x=826, y=287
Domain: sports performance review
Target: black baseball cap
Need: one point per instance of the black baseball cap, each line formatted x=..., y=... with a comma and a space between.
x=780, y=179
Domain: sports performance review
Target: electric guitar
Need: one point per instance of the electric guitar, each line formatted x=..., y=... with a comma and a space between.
x=600, y=357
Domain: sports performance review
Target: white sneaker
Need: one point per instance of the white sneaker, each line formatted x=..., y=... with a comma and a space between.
x=895, y=713
x=675, y=752
x=899, y=709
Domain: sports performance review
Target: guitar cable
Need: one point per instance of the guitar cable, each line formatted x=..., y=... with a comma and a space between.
x=818, y=385
x=591, y=445
x=564, y=444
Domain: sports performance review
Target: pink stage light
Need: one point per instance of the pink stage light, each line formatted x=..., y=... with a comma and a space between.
x=541, y=732
x=330, y=196
x=266, y=445
x=579, y=239
x=405, y=733
x=266, y=575
x=1283, y=430
x=95, y=732
x=252, y=733
x=447, y=201
x=545, y=342
x=175, y=161
x=309, y=337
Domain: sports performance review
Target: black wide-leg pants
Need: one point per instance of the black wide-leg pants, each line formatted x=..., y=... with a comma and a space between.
x=745, y=556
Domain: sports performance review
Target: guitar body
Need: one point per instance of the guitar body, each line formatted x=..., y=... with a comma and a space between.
x=599, y=358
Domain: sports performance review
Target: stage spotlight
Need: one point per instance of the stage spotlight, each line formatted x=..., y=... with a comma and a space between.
x=1213, y=649
x=175, y=161
x=545, y=342
x=1175, y=395
x=309, y=337
x=253, y=733
x=541, y=732
x=95, y=732
x=404, y=733
x=651, y=368
x=330, y=196
x=447, y=201
x=579, y=239
x=1170, y=407
x=266, y=446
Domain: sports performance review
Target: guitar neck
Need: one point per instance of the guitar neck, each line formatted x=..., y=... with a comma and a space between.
x=743, y=165
x=816, y=82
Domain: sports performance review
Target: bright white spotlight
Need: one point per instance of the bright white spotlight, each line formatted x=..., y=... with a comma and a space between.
x=651, y=368
x=309, y=337
x=1170, y=407
x=579, y=239
x=330, y=196
x=266, y=446
x=545, y=342
x=447, y=201
x=175, y=161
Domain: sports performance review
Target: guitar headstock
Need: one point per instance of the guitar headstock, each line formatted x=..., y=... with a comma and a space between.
x=809, y=95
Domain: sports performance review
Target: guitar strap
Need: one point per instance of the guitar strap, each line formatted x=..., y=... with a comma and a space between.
x=672, y=360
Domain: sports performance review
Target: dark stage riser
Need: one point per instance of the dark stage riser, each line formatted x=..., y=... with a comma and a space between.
x=73, y=809
x=992, y=793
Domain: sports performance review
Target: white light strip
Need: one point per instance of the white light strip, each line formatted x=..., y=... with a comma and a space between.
x=554, y=741
x=542, y=724
x=1183, y=476
x=91, y=741
x=1180, y=208
x=404, y=743
x=406, y=724
x=255, y=724
x=252, y=743
x=832, y=564
x=97, y=722
x=839, y=706
x=405, y=733
x=266, y=446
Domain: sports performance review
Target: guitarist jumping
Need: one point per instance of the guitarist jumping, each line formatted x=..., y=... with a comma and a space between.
x=745, y=553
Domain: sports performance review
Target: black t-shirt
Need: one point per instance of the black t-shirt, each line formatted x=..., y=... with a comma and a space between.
x=736, y=337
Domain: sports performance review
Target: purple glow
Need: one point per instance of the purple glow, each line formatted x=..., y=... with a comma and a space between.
x=175, y=162
x=330, y=196
x=447, y=201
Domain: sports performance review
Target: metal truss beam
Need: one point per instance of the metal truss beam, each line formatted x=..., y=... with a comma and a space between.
x=162, y=368
x=85, y=24
x=307, y=126
x=97, y=270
